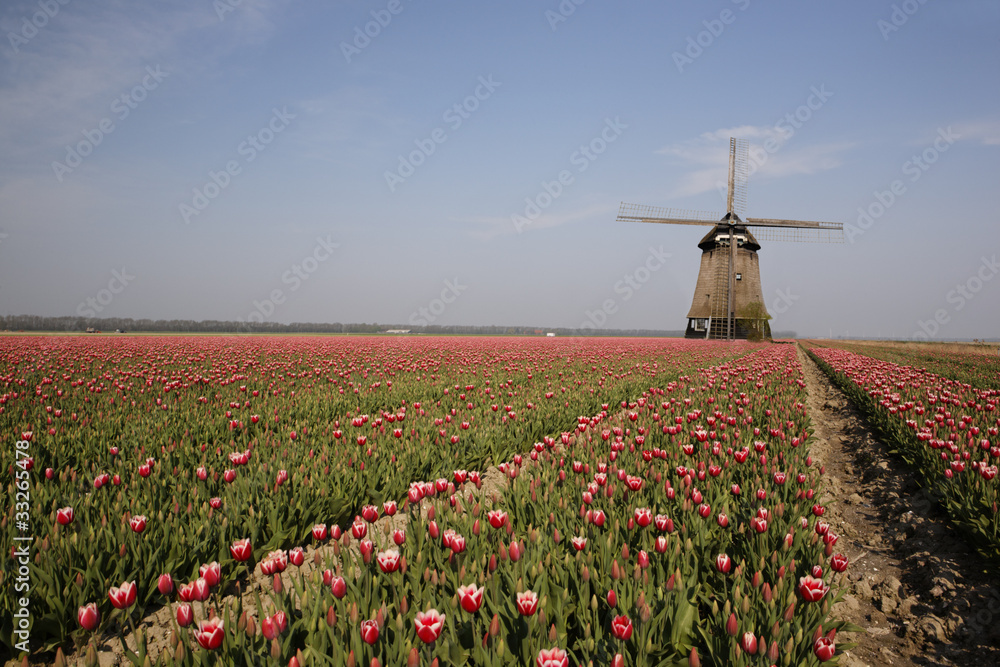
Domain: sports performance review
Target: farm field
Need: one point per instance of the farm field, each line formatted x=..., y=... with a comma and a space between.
x=362, y=501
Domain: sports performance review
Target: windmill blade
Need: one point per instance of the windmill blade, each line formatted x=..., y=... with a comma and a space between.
x=658, y=214
x=805, y=224
x=739, y=151
x=798, y=234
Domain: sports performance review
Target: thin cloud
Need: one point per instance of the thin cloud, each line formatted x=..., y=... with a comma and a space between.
x=490, y=227
x=985, y=131
x=709, y=153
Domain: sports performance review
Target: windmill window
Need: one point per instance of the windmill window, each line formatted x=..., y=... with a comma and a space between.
x=699, y=325
x=739, y=276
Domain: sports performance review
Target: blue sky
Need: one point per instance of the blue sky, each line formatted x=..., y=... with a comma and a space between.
x=267, y=159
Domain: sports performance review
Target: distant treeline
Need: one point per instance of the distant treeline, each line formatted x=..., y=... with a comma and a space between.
x=112, y=324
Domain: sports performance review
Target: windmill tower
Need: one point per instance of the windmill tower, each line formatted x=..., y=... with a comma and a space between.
x=729, y=277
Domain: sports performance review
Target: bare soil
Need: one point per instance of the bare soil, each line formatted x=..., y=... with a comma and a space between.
x=923, y=596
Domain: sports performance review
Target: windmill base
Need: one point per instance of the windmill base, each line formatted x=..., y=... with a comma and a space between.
x=718, y=329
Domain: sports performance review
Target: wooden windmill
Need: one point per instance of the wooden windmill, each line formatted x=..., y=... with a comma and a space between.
x=729, y=278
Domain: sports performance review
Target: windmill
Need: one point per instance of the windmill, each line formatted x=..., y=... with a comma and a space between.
x=729, y=277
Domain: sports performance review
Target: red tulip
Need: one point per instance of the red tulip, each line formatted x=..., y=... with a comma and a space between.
x=339, y=587
x=241, y=549
x=723, y=563
x=643, y=516
x=202, y=473
x=88, y=616
x=749, y=642
x=457, y=544
x=185, y=615
x=429, y=625
x=812, y=589
x=122, y=597
x=211, y=573
x=272, y=626
x=144, y=470
x=497, y=518
x=369, y=631
x=210, y=634
x=389, y=508
x=824, y=648
x=643, y=559
x=229, y=475
x=612, y=598
x=165, y=584
x=579, y=543
x=838, y=563
x=369, y=513
x=553, y=657
x=138, y=523
x=527, y=603
x=399, y=537
x=367, y=549
x=200, y=590
x=319, y=531
x=470, y=597
x=621, y=627
x=64, y=516
x=296, y=556
x=388, y=561
x=215, y=503
x=359, y=528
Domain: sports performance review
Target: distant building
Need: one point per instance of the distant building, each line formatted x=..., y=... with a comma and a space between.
x=550, y=335
x=396, y=331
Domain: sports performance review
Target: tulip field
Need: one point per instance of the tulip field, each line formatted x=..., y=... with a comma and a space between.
x=945, y=428
x=658, y=507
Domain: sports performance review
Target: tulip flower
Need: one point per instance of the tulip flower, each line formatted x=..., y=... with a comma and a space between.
x=621, y=627
x=553, y=657
x=210, y=634
x=185, y=615
x=272, y=626
x=296, y=556
x=527, y=603
x=215, y=503
x=122, y=597
x=497, y=518
x=643, y=516
x=88, y=616
x=399, y=537
x=165, y=584
x=723, y=563
x=211, y=573
x=429, y=625
x=838, y=563
x=470, y=597
x=824, y=648
x=138, y=523
x=388, y=561
x=64, y=516
x=812, y=589
x=749, y=642
x=319, y=532
x=369, y=631
x=339, y=587
x=241, y=549
x=579, y=543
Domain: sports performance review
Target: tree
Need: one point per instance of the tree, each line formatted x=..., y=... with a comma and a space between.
x=755, y=317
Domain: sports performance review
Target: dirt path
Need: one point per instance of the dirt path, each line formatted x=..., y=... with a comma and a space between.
x=923, y=597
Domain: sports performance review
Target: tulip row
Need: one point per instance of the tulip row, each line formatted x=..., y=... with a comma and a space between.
x=978, y=366
x=948, y=430
x=158, y=455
